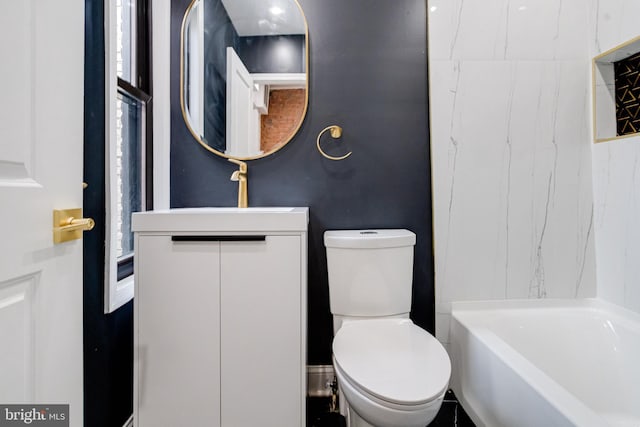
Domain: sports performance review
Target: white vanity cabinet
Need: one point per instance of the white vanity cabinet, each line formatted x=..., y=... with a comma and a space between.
x=220, y=317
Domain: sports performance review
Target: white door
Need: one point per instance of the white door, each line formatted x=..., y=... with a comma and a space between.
x=243, y=131
x=41, y=142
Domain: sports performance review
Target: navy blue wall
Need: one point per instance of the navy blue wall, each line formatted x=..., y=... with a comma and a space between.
x=368, y=73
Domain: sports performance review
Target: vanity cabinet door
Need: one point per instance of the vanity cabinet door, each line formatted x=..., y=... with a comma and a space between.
x=262, y=354
x=177, y=352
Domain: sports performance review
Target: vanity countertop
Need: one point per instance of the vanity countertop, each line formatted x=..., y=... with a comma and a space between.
x=221, y=220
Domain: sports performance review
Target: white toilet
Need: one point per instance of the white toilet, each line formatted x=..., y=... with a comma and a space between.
x=391, y=372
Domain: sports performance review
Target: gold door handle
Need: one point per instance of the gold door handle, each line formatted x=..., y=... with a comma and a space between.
x=73, y=224
x=68, y=224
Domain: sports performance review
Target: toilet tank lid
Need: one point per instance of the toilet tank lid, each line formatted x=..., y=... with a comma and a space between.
x=369, y=239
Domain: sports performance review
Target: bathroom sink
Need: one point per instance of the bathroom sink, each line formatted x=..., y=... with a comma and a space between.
x=223, y=220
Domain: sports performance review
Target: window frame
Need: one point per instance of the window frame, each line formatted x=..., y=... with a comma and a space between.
x=119, y=278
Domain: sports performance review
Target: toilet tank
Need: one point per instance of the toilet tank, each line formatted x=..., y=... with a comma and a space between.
x=370, y=271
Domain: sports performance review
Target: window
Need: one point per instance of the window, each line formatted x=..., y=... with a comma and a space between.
x=129, y=139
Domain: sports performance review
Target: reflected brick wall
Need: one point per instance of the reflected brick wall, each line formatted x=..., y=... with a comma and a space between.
x=285, y=110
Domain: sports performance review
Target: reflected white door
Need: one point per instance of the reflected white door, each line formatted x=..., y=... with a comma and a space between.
x=41, y=141
x=243, y=131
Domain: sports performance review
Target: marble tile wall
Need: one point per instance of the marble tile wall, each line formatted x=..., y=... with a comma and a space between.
x=616, y=173
x=511, y=153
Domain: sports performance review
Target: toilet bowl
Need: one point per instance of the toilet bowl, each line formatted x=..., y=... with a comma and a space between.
x=391, y=373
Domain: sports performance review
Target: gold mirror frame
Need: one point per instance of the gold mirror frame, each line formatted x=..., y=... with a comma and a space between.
x=182, y=94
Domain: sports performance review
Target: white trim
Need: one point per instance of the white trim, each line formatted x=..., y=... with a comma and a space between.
x=116, y=293
x=281, y=80
x=194, y=36
x=110, y=266
x=161, y=102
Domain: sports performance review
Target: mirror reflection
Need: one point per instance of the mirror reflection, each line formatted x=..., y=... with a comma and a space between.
x=244, y=74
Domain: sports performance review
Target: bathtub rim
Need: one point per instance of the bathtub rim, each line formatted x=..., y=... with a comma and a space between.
x=551, y=303
x=558, y=397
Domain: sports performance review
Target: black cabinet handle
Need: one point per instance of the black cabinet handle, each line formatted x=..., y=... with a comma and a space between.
x=218, y=238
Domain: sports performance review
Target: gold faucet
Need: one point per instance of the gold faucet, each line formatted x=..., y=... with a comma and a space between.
x=241, y=176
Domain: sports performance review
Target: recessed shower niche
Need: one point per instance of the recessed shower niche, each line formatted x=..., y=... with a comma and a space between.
x=616, y=92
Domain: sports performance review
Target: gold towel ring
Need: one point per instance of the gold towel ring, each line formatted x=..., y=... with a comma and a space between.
x=336, y=132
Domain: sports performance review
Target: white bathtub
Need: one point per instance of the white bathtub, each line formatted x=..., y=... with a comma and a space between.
x=542, y=363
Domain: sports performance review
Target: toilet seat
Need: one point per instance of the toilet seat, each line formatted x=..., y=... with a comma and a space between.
x=392, y=360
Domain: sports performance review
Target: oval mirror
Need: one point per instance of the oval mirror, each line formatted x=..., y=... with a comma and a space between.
x=243, y=74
